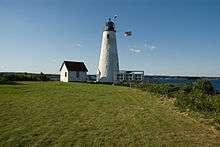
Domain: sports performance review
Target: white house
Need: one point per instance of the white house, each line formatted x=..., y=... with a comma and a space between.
x=73, y=71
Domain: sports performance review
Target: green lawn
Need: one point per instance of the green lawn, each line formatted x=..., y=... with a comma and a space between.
x=66, y=114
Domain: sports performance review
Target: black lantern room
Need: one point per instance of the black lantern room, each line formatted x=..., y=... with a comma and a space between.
x=109, y=26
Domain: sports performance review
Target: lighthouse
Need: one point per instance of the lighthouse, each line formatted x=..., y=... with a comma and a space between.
x=108, y=67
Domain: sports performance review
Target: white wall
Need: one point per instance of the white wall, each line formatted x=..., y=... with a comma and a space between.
x=82, y=76
x=71, y=75
x=62, y=74
x=108, y=63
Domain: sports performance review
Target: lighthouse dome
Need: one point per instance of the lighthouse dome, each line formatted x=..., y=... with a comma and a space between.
x=109, y=26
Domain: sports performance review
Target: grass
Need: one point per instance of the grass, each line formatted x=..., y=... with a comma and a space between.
x=66, y=114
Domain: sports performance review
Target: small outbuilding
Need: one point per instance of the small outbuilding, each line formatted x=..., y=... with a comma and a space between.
x=73, y=71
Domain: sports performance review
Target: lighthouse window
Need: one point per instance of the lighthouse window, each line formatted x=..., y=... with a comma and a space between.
x=107, y=36
x=77, y=74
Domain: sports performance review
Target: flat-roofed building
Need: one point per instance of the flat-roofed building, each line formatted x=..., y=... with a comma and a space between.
x=130, y=76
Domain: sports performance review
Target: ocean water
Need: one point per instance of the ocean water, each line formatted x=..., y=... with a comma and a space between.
x=215, y=83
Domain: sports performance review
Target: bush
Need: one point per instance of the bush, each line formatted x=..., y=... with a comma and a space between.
x=204, y=86
x=169, y=90
x=217, y=118
x=199, y=96
x=25, y=77
x=197, y=101
x=5, y=80
x=43, y=77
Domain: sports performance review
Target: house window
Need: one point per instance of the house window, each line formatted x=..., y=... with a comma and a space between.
x=107, y=36
x=77, y=74
x=65, y=74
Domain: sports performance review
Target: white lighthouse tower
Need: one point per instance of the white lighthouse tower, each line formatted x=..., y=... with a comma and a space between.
x=108, y=63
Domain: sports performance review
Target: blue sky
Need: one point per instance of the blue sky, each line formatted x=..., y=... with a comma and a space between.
x=170, y=37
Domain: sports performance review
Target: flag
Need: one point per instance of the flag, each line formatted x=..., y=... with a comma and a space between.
x=126, y=34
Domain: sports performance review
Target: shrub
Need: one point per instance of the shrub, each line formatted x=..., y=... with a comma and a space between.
x=169, y=90
x=43, y=77
x=197, y=101
x=5, y=80
x=199, y=96
x=217, y=118
x=26, y=77
x=204, y=86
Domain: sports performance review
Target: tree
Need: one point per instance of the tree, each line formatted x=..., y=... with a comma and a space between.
x=43, y=77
